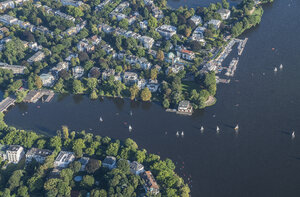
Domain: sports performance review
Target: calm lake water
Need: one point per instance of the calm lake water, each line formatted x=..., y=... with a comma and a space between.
x=261, y=161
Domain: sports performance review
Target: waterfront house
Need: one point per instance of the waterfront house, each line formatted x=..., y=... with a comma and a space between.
x=14, y=153
x=141, y=84
x=130, y=78
x=63, y=159
x=185, y=107
x=136, y=168
x=47, y=79
x=39, y=155
x=167, y=31
x=153, y=85
x=78, y=72
x=224, y=13
x=150, y=185
x=215, y=23
x=196, y=19
x=109, y=162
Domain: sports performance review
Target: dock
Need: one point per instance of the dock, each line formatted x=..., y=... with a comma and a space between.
x=232, y=67
x=241, y=47
x=34, y=95
x=6, y=103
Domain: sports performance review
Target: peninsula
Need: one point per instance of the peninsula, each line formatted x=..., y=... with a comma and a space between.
x=140, y=49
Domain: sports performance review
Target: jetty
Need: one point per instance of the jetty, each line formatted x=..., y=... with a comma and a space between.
x=232, y=67
x=34, y=95
x=6, y=103
x=241, y=46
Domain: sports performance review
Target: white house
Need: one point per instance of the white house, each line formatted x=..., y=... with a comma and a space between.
x=136, y=168
x=15, y=153
x=175, y=68
x=63, y=159
x=185, y=107
x=166, y=31
x=215, y=23
x=60, y=66
x=186, y=54
x=47, y=79
x=38, y=56
x=130, y=78
x=225, y=13
x=78, y=72
x=39, y=155
x=196, y=19
x=109, y=162
x=147, y=41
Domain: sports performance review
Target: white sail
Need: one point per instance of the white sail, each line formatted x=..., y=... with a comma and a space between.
x=182, y=133
x=275, y=69
x=202, y=128
x=293, y=134
x=129, y=127
x=236, y=127
x=177, y=133
x=281, y=66
x=218, y=129
x=100, y=119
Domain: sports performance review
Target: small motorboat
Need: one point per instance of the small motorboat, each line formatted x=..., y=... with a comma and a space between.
x=236, y=127
x=293, y=135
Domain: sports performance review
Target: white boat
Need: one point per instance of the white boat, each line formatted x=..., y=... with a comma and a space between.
x=218, y=129
x=182, y=133
x=100, y=119
x=293, y=134
x=281, y=66
x=275, y=69
x=177, y=133
x=202, y=128
x=236, y=127
x=130, y=128
x=130, y=113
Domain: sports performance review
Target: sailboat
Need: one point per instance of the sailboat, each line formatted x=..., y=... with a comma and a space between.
x=275, y=69
x=293, y=135
x=129, y=128
x=182, y=133
x=100, y=119
x=177, y=133
x=130, y=113
x=281, y=66
x=236, y=127
x=202, y=129
x=218, y=129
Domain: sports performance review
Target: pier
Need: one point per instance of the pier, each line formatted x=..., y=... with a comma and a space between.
x=6, y=103
x=242, y=44
x=34, y=95
x=232, y=67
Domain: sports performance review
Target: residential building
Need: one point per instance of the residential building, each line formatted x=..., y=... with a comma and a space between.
x=216, y=23
x=198, y=34
x=34, y=46
x=84, y=161
x=16, y=69
x=175, y=68
x=7, y=19
x=71, y=3
x=144, y=24
x=109, y=162
x=141, y=83
x=130, y=78
x=39, y=155
x=196, y=19
x=63, y=159
x=78, y=72
x=107, y=73
x=7, y=4
x=136, y=168
x=157, y=13
x=185, y=107
x=166, y=31
x=60, y=66
x=151, y=185
x=85, y=45
x=225, y=13
x=38, y=56
x=47, y=79
x=3, y=149
x=147, y=41
x=15, y=153
x=153, y=85
x=186, y=54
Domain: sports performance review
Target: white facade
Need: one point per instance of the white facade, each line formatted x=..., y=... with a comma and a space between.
x=47, y=79
x=63, y=159
x=39, y=155
x=166, y=31
x=225, y=13
x=15, y=153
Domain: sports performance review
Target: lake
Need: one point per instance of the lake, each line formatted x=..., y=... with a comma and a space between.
x=261, y=160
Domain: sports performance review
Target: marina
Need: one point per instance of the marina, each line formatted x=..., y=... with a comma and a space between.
x=34, y=95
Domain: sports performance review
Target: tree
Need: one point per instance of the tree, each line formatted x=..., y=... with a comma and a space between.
x=23, y=191
x=77, y=87
x=75, y=11
x=134, y=90
x=65, y=131
x=146, y=94
x=188, y=31
x=152, y=22
x=20, y=95
x=87, y=181
x=123, y=23
x=75, y=166
x=38, y=82
x=93, y=165
x=55, y=143
x=93, y=95
x=166, y=103
x=160, y=55
x=153, y=73
x=124, y=166
x=77, y=147
x=131, y=144
x=14, y=51
x=225, y=4
x=92, y=83
x=112, y=149
x=14, y=180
